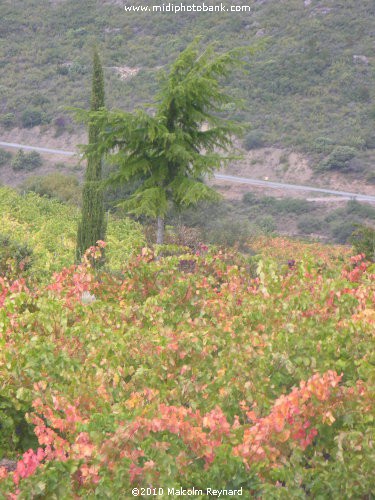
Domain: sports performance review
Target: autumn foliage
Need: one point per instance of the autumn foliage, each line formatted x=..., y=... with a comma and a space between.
x=232, y=372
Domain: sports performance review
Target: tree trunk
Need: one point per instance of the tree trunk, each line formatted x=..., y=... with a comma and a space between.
x=160, y=233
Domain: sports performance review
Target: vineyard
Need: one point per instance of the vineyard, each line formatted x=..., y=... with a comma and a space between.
x=43, y=232
x=202, y=369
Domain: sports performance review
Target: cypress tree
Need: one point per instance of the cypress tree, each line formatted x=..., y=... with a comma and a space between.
x=92, y=226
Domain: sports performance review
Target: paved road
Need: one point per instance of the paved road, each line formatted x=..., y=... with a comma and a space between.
x=230, y=178
x=294, y=187
x=35, y=148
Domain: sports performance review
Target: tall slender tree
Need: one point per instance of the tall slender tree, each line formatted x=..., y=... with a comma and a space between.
x=92, y=226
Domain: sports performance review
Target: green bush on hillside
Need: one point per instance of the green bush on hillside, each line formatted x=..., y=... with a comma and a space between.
x=27, y=161
x=230, y=233
x=363, y=210
x=31, y=118
x=363, y=240
x=323, y=144
x=342, y=230
x=370, y=141
x=339, y=224
x=277, y=206
x=253, y=140
x=249, y=198
x=309, y=225
x=8, y=120
x=64, y=188
x=339, y=159
x=5, y=157
x=266, y=223
x=370, y=177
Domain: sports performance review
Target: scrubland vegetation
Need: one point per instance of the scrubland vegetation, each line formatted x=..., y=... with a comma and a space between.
x=310, y=86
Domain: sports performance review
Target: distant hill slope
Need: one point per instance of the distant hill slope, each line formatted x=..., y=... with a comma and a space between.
x=312, y=87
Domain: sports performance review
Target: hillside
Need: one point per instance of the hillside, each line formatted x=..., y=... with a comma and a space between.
x=311, y=86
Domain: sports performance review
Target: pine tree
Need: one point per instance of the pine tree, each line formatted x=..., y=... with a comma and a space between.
x=169, y=151
x=92, y=226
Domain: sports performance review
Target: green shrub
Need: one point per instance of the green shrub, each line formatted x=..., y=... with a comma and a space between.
x=363, y=240
x=230, y=233
x=293, y=205
x=60, y=123
x=356, y=142
x=363, y=210
x=341, y=223
x=19, y=160
x=16, y=434
x=27, y=161
x=62, y=70
x=34, y=160
x=77, y=68
x=40, y=100
x=15, y=257
x=8, y=120
x=268, y=202
x=370, y=141
x=5, y=156
x=323, y=144
x=342, y=230
x=64, y=188
x=370, y=177
x=277, y=206
x=31, y=118
x=266, y=223
x=308, y=224
x=253, y=140
x=249, y=198
x=339, y=159
x=361, y=93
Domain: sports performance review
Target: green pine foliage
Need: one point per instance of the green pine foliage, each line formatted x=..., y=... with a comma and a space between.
x=169, y=149
x=92, y=226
